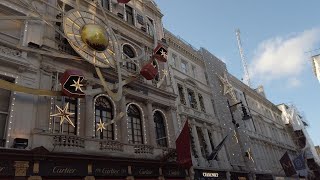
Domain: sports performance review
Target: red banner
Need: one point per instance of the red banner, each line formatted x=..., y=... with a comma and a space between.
x=183, y=147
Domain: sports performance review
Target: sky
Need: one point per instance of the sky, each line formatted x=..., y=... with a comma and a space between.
x=278, y=39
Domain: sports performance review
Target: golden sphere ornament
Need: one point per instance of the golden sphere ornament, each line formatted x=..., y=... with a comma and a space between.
x=94, y=36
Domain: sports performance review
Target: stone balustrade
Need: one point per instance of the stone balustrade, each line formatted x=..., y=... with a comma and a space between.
x=68, y=141
x=111, y=146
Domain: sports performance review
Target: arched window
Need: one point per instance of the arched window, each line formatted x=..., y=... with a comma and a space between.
x=129, y=52
x=160, y=129
x=134, y=125
x=103, y=111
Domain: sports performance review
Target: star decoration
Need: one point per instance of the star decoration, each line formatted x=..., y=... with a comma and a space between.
x=77, y=85
x=163, y=53
x=101, y=126
x=235, y=136
x=64, y=114
x=248, y=154
x=227, y=87
x=165, y=72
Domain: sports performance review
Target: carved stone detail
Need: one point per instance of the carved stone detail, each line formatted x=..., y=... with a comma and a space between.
x=21, y=168
x=10, y=52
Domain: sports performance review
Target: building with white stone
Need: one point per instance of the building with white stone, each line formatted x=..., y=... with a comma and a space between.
x=39, y=41
x=316, y=66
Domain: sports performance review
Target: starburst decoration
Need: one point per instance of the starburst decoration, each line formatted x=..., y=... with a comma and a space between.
x=64, y=114
x=163, y=53
x=227, y=87
x=101, y=126
x=77, y=84
x=235, y=136
x=165, y=72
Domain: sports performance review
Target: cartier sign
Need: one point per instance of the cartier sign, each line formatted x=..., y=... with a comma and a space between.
x=63, y=169
x=209, y=174
x=173, y=172
x=110, y=171
x=145, y=171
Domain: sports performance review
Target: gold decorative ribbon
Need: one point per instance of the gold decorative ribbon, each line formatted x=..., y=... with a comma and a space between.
x=40, y=92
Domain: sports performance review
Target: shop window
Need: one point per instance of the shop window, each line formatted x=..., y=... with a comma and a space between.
x=192, y=99
x=203, y=109
x=4, y=109
x=129, y=53
x=160, y=129
x=104, y=112
x=66, y=127
x=134, y=125
x=129, y=14
x=181, y=94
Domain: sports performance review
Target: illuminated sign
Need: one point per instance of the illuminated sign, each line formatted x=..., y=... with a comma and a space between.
x=209, y=174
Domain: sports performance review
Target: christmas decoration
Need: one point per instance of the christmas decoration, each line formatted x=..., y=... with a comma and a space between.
x=235, y=136
x=227, y=87
x=101, y=126
x=70, y=81
x=160, y=53
x=94, y=36
x=149, y=71
x=64, y=114
x=248, y=154
x=123, y=1
x=165, y=74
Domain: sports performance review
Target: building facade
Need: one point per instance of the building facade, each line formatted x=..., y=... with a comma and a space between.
x=194, y=103
x=66, y=137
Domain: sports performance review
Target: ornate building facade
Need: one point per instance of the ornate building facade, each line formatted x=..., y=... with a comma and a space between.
x=125, y=133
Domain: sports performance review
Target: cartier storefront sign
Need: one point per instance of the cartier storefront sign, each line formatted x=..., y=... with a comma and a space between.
x=173, y=172
x=145, y=171
x=116, y=171
x=62, y=169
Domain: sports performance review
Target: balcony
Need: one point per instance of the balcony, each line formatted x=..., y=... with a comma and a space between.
x=76, y=144
x=195, y=113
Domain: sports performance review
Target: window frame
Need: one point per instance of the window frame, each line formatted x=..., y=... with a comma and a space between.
x=160, y=129
x=105, y=132
x=132, y=131
x=127, y=10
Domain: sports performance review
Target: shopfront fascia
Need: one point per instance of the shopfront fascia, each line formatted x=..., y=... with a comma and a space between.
x=200, y=174
x=47, y=165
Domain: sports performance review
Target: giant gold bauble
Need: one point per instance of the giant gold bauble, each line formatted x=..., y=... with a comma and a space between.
x=94, y=36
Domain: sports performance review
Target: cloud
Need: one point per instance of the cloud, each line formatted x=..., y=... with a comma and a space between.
x=283, y=57
x=293, y=82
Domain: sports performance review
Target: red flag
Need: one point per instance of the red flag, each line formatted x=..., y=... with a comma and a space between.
x=183, y=147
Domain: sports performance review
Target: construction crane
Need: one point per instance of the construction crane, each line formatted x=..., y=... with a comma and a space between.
x=246, y=78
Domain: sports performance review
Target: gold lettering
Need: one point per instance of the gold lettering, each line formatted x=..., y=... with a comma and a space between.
x=63, y=170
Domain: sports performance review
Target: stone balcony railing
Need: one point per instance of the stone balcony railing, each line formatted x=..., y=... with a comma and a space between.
x=194, y=112
x=71, y=143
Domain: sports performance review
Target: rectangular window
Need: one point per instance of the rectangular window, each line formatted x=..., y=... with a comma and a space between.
x=202, y=142
x=174, y=59
x=194, y=71
x=203, y=109
x=106, y=4
x=129, y=14
x=140, y=19
x=181, y=94
x=150, y=27
x=184, y=66
x=4, y=110
x=206, y=76
x=192, y=99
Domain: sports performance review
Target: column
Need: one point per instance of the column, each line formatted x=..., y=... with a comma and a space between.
x=206, y=138
x=122, y=127
x=150, y=125
x=196, y=141
x=174, y=121
x=89, y=122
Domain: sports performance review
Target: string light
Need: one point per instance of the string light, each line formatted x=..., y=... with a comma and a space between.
x=11, y=113
x=78, y=117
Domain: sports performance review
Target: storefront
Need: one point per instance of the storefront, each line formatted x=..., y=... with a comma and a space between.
x=25, y=164
x=239, y=176
x=200, y=174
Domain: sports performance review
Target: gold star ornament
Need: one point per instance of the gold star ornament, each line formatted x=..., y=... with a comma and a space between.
x=77, y=85
x=64, y=114
x=165, y=72
x=101, y=126
x=227, y=87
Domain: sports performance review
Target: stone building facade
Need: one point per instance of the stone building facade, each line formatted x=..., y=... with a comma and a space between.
x=35, y=53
